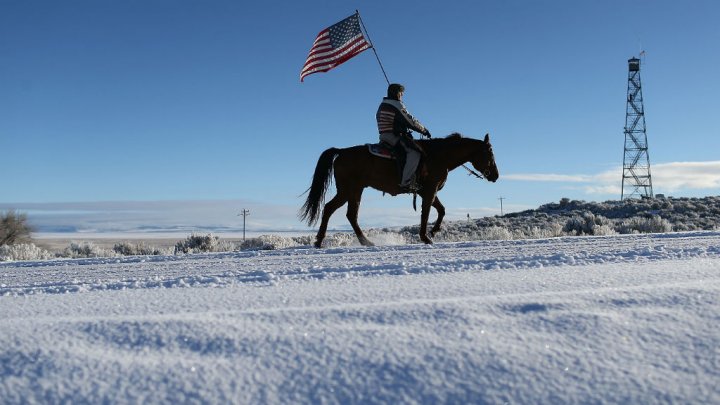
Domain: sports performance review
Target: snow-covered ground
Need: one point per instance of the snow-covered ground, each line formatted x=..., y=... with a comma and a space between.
x=617, y=319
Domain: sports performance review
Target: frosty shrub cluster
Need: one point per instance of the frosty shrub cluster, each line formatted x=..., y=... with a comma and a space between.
x=203, y=243
x=580, y=218
x=565, y=218
x=84, y=249
x=23, y=251
x=138, y=249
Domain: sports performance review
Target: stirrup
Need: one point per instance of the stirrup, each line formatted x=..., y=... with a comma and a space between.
x=410, y=188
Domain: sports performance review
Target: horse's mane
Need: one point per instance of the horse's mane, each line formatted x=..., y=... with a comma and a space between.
x=455, y=136
x=438, y=143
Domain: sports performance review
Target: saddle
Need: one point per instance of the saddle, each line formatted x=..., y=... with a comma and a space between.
x=385, y=151
x=382, y=150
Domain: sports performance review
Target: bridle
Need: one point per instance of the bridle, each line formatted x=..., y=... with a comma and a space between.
x=472, y=172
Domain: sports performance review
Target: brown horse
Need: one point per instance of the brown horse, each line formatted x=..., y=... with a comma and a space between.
x=356, y=168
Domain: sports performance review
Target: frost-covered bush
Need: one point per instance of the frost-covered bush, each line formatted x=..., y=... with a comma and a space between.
x=259, y=243
x=85, y=249
x=203, y=243
x=588, y=224
x=654, y=224
x=576, y=225
x=14, y=228
x=549, y=230
x=137, y=249
x=270, y=242
x=604, y=230
x=23, y=251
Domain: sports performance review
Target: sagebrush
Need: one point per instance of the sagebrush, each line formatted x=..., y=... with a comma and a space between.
x=14, y=228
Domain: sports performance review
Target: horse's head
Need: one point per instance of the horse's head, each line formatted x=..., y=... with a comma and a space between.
x=484, y=161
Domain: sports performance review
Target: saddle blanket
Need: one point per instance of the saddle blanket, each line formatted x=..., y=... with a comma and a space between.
x=381, y=149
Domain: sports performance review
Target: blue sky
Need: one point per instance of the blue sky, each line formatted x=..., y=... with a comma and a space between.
x=123, y=114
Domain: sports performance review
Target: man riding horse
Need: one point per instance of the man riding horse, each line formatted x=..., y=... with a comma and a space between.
x=355, y=168
x=394, y=125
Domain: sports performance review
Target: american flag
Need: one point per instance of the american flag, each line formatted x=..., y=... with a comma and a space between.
x=334, y=46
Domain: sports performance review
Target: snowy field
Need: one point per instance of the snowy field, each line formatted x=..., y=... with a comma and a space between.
x=617, y=319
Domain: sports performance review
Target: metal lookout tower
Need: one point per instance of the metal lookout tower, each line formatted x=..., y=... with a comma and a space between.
x=636, y=179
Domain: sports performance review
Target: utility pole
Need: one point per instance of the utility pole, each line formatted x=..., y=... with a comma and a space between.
x=501, y=207
x=244, y=214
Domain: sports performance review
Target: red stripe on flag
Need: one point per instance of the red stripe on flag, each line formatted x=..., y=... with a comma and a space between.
x=334, y=46
x=320, y=57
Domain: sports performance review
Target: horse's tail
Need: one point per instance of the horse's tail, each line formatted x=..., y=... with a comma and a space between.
x=321, y=180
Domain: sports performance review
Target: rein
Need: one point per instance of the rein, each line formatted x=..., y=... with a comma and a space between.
x=472, y=172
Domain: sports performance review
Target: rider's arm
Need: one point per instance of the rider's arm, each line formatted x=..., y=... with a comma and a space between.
x=411, y=122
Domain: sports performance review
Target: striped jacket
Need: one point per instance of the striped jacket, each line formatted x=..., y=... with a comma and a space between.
x=393, y=118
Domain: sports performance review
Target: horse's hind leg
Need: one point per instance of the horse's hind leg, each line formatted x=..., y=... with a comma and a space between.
x=352, y=216
x=329, y=209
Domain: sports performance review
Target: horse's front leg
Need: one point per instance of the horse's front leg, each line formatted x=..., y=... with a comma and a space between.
x=427, y=202
x=352, y=216
x=441, y=214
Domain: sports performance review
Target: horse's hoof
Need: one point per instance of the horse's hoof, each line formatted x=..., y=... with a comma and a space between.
x=318, y=244
x=427, y=241
x=366, y=242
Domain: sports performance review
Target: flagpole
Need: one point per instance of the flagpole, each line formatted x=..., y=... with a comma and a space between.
x=372, y=46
